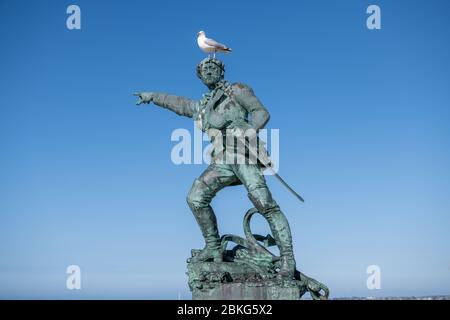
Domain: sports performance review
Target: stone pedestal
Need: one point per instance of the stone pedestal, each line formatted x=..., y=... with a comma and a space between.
x=237, y=281
x=246, y=291
x=249, y=271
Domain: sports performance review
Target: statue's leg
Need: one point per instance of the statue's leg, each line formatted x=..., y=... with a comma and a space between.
x=253, y=179
x=199, y=198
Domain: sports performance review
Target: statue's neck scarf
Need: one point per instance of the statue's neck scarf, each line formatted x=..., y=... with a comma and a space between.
x=222, y=84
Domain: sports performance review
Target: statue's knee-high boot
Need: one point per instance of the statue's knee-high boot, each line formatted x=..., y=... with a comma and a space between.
x=279, y=226
x=282, y=234
x=198, y=200
x=207, y=221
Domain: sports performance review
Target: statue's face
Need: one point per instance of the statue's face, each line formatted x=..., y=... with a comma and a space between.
x=211, y=74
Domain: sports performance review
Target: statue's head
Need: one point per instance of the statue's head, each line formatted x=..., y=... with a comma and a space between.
x=210, y=71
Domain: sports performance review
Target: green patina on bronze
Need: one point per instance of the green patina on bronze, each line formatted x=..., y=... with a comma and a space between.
x=249, y=270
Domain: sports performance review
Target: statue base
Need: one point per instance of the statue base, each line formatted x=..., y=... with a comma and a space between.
x=236, y=281
x=249, y=271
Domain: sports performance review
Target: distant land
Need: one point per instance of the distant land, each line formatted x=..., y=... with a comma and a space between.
x=446, y=297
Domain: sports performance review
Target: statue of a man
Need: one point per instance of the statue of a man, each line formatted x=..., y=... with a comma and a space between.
x=227, y=106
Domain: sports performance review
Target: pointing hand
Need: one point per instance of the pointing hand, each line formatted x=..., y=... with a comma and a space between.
x=144, y=97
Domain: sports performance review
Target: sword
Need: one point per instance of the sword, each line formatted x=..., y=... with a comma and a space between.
x=266, y=164
x=284, y=183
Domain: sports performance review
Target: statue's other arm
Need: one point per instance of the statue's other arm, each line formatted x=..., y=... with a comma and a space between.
x=180, y=105
x=246, y=98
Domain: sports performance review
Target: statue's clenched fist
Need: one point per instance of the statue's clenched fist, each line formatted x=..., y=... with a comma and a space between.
x=144, y=97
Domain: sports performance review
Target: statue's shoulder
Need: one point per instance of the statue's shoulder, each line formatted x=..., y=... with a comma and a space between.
x=240, y=88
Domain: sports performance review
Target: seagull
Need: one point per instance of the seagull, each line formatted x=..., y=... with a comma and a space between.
x=209, y=45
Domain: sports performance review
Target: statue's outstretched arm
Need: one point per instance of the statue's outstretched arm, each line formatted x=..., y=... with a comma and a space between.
x=180, y=105
x=246, y=98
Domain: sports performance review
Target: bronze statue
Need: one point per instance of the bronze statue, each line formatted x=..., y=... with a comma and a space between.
x=230, y=106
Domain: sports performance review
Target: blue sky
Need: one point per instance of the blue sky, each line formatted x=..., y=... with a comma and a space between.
x=86, y=176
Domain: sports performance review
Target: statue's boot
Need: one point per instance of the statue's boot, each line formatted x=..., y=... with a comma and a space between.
x=207, y=221
x=282, y=235
x=279, y=226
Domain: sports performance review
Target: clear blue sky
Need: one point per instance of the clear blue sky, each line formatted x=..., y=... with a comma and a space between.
x=86, y=176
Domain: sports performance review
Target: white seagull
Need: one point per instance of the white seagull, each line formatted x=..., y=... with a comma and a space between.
x=209, y=45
